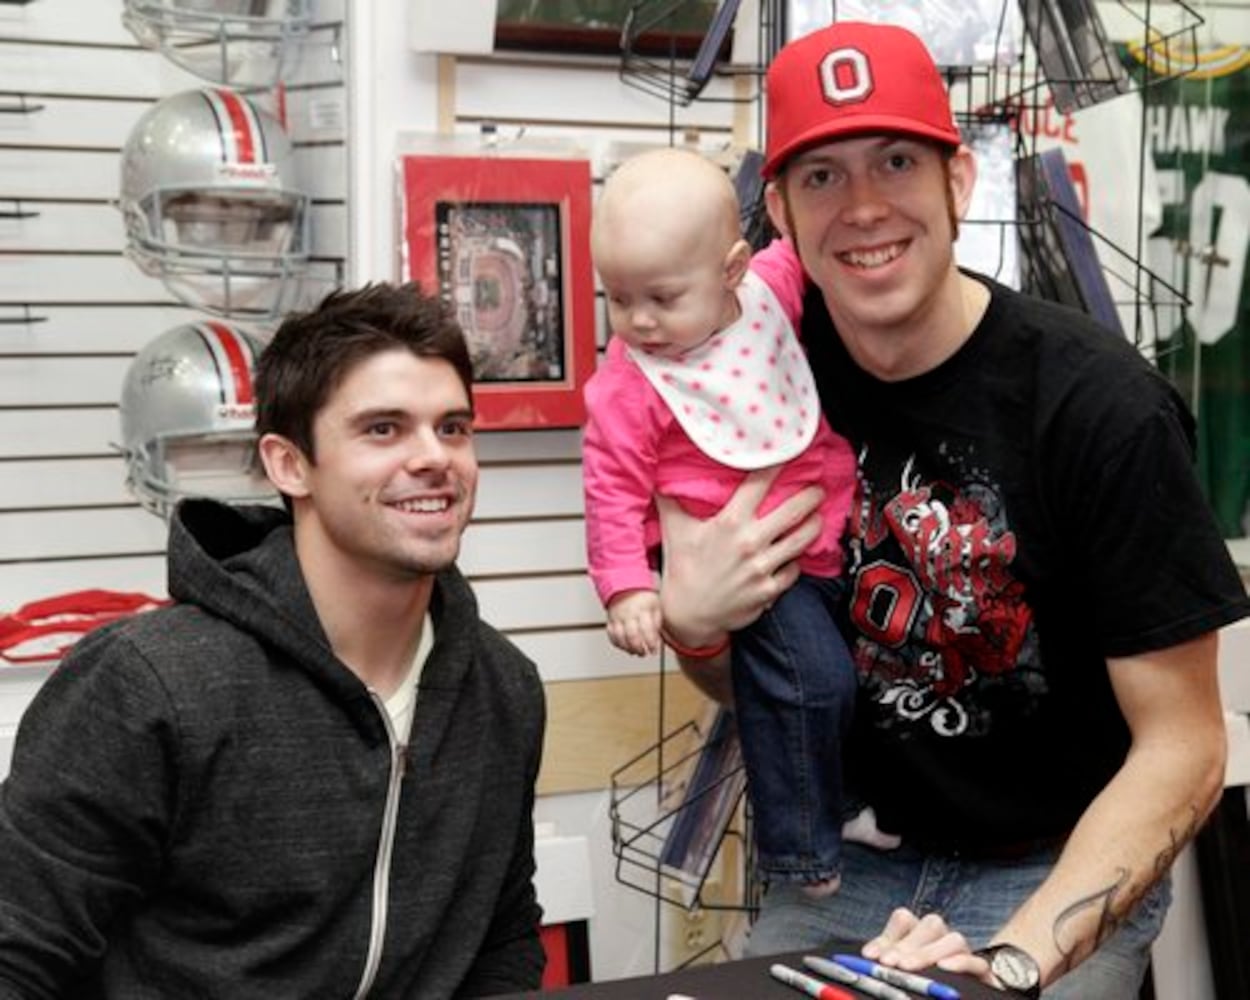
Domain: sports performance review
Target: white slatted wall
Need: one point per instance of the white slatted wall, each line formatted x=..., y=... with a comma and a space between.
x=74, y=310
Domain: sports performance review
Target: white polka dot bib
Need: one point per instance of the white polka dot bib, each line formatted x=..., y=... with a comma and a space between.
x=745, y=396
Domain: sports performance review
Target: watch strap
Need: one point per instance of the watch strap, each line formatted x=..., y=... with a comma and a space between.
x=1032, y=991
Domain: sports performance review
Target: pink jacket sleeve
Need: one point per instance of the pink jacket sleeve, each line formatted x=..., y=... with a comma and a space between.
x=619, y=455
x=779, y=266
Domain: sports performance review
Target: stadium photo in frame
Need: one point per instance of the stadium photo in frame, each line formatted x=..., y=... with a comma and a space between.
x=505, y=241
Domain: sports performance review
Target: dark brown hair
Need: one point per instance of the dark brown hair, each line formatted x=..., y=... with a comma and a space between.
x=313, y=352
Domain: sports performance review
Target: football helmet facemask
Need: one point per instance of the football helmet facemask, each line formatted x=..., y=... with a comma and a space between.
x=211, y=204
x=239, y=43
x=188, y=417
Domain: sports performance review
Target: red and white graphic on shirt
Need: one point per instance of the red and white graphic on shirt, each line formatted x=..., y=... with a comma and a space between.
x=933, y=598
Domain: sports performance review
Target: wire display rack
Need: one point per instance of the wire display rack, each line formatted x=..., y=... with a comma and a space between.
x=681, y=826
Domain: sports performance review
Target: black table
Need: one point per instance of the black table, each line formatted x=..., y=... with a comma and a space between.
x=747, y=979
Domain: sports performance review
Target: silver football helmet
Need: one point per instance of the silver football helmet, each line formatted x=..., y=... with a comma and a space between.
x=239, y=43
x=211, y=204
x=188, y=418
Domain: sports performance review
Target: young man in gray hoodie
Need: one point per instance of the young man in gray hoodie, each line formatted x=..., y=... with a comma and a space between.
x=313, y=773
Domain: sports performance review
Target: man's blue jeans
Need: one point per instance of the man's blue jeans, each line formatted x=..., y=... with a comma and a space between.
x=974, y=897
x=794, y=696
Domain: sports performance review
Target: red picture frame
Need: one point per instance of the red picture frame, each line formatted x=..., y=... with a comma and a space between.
x=506, y=242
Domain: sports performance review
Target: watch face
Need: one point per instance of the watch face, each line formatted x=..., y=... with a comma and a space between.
x=1014, y=968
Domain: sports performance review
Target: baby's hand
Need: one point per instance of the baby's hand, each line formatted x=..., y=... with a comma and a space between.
x=634, y=622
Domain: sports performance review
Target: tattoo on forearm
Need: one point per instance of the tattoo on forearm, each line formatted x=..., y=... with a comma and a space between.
x=1112, y=903
x=1176, y=842
x=1103, y=902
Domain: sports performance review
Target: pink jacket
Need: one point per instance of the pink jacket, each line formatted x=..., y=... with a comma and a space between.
x=634, y=448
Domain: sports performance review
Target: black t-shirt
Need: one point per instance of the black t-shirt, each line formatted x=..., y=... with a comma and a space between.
x=1024, y=511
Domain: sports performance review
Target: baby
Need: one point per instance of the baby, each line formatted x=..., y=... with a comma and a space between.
x=704, y=380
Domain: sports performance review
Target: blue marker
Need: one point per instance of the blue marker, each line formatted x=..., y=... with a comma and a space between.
x=865, y=984
x=897, y=977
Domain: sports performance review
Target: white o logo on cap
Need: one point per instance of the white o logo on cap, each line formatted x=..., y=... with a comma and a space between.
x=854, y=67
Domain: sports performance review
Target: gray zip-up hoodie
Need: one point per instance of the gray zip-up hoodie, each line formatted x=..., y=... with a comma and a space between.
x=205, y=802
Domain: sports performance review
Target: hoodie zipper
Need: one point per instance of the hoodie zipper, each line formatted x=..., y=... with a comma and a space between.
x=382, y=866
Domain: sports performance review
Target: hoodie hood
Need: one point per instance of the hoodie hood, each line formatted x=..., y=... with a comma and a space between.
x=238, y=562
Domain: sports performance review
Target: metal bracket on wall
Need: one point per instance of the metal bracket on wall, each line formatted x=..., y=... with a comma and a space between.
x=26, y=319
x=17, y=211
x=23, y=106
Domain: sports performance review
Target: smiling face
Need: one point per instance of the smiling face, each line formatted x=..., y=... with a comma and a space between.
x=874, y=219
x=395, y=476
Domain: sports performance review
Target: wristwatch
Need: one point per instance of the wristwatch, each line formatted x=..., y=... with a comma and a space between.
x=1015, y=968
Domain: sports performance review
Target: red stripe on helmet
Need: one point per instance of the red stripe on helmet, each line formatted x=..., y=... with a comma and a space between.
x=279, y=96
x=236, y=357
x=241, y=124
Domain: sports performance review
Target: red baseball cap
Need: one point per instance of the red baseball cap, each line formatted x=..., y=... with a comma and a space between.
x=851, y=78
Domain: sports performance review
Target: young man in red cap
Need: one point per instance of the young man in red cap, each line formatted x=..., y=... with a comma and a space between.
x=1036, y=581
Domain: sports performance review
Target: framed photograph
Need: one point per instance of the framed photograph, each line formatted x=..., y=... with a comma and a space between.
x=505, y=241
